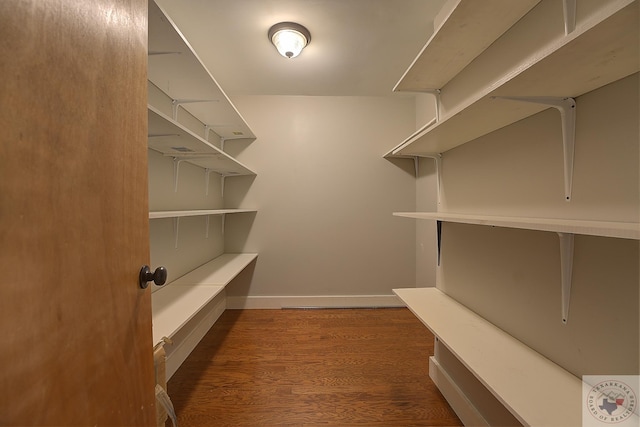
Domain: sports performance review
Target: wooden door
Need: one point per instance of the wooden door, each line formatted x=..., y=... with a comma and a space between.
x=76, y=346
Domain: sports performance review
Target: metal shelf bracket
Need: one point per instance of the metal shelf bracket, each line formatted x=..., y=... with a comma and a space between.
x=436, y=94
x=207, y=172
x=175, y=103
x=567, y=109
x=569, y=11
x=439, y=232
x=176, y=228
x=176, y=172
x=566, y=264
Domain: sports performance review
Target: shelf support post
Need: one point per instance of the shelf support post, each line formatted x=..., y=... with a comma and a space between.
x=224, y=216
x=567, y=109
x=569, y=11
x=566, y=265
x=222, y=179
x=206, y=233
x=222, y=140
x=207, y=128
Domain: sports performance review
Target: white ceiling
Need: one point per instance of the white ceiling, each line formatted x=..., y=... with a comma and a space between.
x=358, y=47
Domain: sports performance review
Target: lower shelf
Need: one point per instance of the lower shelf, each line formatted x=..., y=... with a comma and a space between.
x=177, y=303
x=533, y=388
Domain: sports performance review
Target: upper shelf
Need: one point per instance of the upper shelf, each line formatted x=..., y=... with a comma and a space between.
x=171, y=138
x=603, y=48
x=468, y=28
x=176, y=70
x=622, y=230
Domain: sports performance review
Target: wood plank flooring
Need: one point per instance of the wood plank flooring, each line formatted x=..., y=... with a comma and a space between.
x=327, y=367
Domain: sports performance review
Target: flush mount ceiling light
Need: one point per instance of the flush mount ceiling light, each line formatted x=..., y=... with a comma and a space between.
x=289, y=38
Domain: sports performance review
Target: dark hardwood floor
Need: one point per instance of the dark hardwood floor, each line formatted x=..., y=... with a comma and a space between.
x=327, y=367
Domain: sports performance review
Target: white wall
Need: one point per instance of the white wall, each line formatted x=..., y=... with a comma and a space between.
x=512, y=277
x=324, y=196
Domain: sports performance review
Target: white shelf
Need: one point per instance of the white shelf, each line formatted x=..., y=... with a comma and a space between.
x=175, y=69
x=172, y=139
x=468, y=28
x=218, y=272
x=390, y=154
x=534, y=389
x=622, y=230
x=178, y=302
x=602, y=49
x=196, y=212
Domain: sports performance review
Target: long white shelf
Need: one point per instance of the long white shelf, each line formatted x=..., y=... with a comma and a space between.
x=178, y=302
x=622, y=230
x=535, y=390
x=391, y=153
x=175, y=69
x=467, y=29
x=173, y=139
x=602, y=49
x=196, y=212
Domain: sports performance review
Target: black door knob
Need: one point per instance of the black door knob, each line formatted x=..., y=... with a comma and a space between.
x=159, y=276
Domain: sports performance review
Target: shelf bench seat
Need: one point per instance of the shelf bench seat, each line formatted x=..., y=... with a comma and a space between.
x=196, y=212
x=535, y=390
x=178, y=302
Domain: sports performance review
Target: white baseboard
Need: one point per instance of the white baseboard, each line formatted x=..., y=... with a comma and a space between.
x=323, y=301
x=458, y=401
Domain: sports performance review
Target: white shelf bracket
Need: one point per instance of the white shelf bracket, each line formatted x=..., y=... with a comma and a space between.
x=437, y=158
x=569, y=11
x=207, y=129
x=178, y=102
x=436, y=94
x=176, y=228
x=567, y=109
x=176, y=172
x=566, y=264
x=224, y=216
x=222, y=140
x=207, y=172
x=206, y=233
